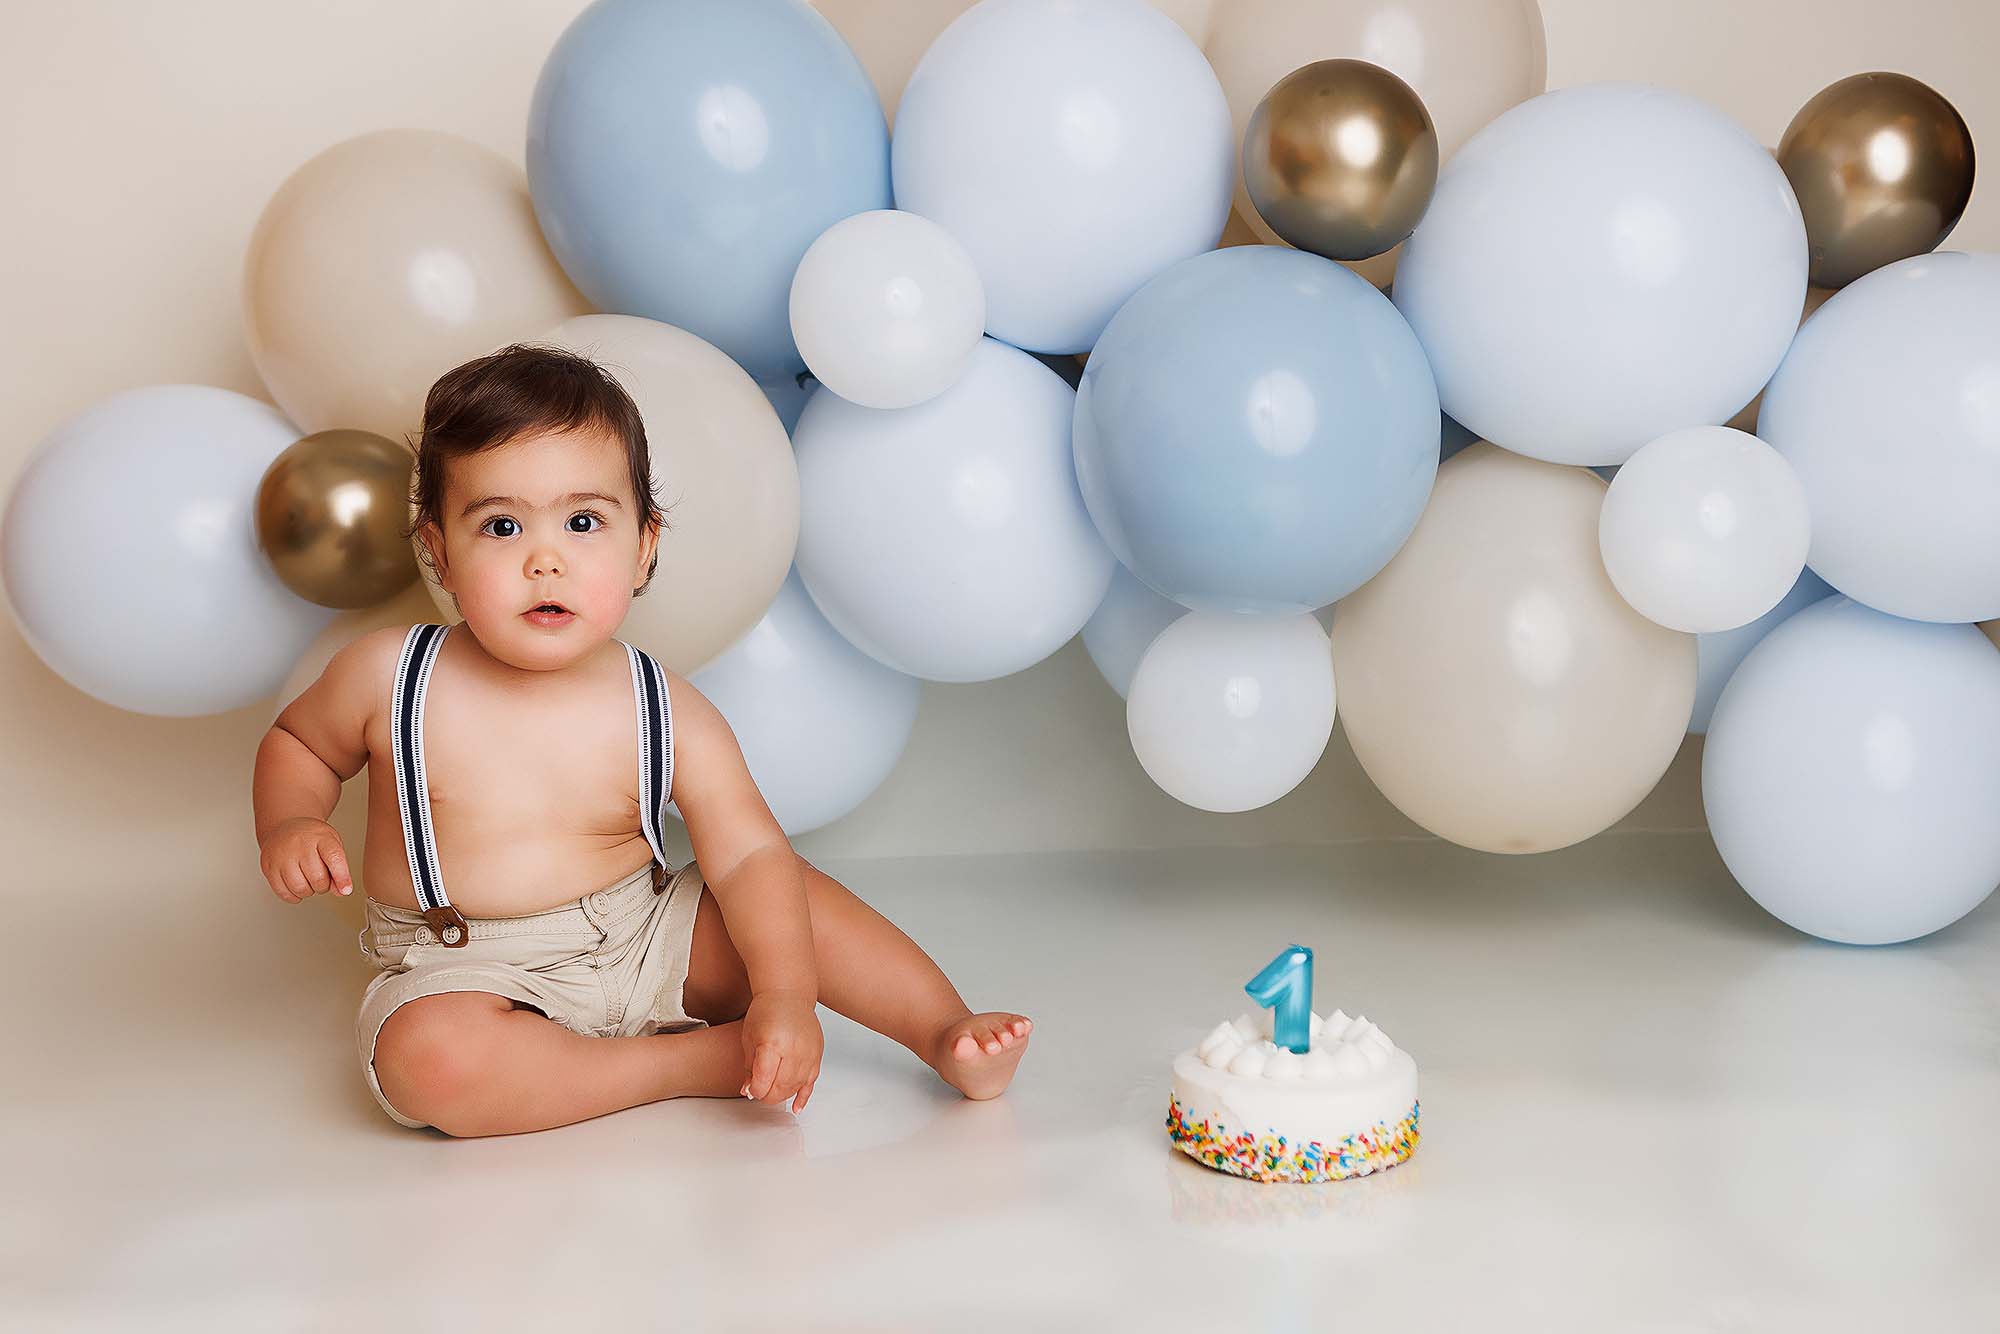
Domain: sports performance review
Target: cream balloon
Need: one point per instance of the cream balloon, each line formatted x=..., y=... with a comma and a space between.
x=723, y=470
x=1705, y=529
x=1468, y=60
x=1495, y=686
x=890, y=36
x=382, y=263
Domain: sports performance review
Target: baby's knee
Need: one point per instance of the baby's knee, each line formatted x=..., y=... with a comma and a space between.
x=432, y=1055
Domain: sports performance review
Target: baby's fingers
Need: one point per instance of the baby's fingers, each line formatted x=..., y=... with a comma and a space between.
x=294, y=881
x=763, y=1071
x=805, y=1092
x=336, y=867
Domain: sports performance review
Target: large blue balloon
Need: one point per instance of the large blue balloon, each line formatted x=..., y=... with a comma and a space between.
x=682, y=154
x=1256, y=431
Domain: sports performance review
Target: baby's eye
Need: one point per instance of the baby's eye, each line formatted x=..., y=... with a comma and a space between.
x=585, y=514
x=500, y=518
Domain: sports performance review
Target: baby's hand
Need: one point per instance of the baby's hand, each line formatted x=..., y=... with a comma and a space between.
x=782, y=1043
x=303, y=857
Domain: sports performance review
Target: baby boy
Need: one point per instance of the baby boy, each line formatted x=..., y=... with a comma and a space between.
x=553, y=967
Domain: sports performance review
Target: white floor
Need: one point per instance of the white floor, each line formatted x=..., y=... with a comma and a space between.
x=1646, y=1106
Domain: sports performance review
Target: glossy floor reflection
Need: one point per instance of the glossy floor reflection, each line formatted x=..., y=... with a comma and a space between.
x=1647, y=1106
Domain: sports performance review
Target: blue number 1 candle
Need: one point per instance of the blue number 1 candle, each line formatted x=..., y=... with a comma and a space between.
x=1286, y=986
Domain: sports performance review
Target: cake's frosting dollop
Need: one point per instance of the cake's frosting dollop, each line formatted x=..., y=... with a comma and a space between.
x=1340, y=1050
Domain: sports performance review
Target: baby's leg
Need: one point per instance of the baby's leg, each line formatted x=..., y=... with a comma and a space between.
x=875, y=975
x=470, y=1063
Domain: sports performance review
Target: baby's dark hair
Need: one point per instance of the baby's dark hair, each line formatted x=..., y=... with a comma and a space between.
x=525, y=389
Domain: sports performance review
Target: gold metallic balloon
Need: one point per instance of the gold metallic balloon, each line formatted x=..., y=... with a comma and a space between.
x=1882, y=166
x=331, y=511
x=1340, y=159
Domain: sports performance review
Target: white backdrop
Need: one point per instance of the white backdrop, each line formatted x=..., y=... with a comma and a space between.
x=139, y=142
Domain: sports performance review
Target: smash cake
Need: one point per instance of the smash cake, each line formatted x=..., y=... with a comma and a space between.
x=1247, y=1101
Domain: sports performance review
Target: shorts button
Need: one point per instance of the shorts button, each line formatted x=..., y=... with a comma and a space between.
x=597, y=900
x=423, y=935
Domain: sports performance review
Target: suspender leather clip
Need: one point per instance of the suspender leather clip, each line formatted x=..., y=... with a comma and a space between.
x=449, y=923
x=660, y=877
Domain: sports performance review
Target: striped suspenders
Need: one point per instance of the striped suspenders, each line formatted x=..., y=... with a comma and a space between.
x=413, y=673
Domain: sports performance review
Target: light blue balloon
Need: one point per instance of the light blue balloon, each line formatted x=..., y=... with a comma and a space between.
x=788, y=395
x=683, y=154
x=1852, y=772
x=1720, y=653
x=1256, y=431
x=820, y=723
x=1124, y=626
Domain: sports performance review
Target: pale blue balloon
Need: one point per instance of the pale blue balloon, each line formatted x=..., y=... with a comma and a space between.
x=683, y=154
x=1256, y=431
x=820, y=723
x=1720, y=653
x=788, y=395
x=1124, y=626
x=1852, y=773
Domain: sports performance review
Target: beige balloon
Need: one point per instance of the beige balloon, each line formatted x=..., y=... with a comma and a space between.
x=382, y=263
x=889, y=37
x=1494, y=685
x=723, y=470
x=1468, y=60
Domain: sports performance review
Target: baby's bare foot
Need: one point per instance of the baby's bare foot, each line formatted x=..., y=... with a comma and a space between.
x=976, y=1053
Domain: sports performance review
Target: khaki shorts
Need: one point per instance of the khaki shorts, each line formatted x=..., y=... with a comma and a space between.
x=611, y=964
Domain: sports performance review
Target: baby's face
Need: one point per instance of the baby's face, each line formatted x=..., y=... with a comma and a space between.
x=541, y=519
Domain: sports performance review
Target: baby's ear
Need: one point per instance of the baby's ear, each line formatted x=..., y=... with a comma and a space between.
x=432, y=539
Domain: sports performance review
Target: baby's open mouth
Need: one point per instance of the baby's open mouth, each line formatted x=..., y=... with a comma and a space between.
x=548, y=609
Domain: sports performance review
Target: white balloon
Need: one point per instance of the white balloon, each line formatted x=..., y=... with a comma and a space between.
x=1852, y=771
x=130, y=553
x=1704, y=529
x=1718, y=655
x=1228, y=713
x=949, y=540
x=820, y=723
x=1602, y=265
x=1888, y=405
x=886, y=309
x=1075, y=150
x=1128, y=620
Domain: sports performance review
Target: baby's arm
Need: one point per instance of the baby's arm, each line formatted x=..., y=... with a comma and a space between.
x=746, y=860
x=759, y=883
x=318, y=742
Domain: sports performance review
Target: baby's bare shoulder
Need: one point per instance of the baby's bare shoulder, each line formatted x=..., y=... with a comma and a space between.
x=332, y=714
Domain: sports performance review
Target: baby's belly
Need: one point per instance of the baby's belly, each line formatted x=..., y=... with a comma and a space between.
x=505, y=874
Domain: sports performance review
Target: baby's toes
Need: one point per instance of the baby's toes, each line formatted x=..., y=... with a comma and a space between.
x=966, y=1047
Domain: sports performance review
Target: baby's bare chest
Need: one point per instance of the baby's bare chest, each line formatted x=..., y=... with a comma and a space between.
x=495, y=762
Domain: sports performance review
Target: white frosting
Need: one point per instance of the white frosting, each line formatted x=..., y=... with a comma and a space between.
x=1350, y=1077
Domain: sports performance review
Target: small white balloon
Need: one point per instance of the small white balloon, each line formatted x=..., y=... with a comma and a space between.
x=1229, y=713
x=949, y=540
x=1704, y=529
x=886, y=309
x=1128, y=620
x=1852, y=771
x=169, y=607
x=820, y=723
